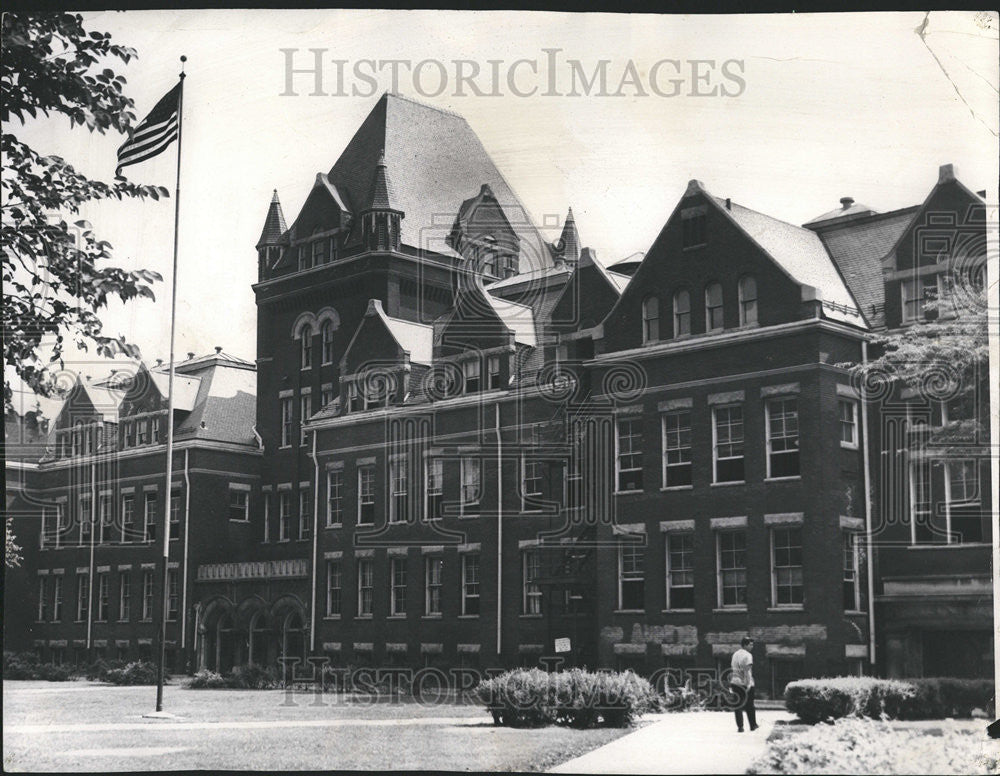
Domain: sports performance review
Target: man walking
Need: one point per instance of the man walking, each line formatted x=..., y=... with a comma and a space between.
x=741, y=683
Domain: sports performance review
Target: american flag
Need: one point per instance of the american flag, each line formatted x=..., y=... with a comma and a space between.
x=154, y=133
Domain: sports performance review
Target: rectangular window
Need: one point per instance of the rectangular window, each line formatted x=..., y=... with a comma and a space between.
x=82, y=597
x=714, y=318
x=305, y=515
x=628, y=455
x=680, y=571
x=149, y=511
x=175, y=515
x=399, y=489
x=470, y=584
x=147, y=596
x=307, y=348
x=432, y=584
x=852, y=572
x=319, y=251
x=124, y=596
x=470, y=370
x=142, y=431
x=631, y=576
x=239, y=505
x=916, y=292
x=326, y=396
x=922, y=505
x=365, y=587
x=493, y=371
x=471, y=482
x=286, y=421
x=366, y=495
x=334, y=498
x=783, y=438
x=284, y=516
x=103, y=596
x=304, y=257
x=848, y=423
x=128, y=518
x=354, y=397
x=731, y=560
x=43, y=598
x=173, y=594
x=728, y=443
x=963, y=482
x=573, y=487
x=154, y=424
x=531, y=479
x=57, y=598
x=86, y=519
x=397, y=593
x=334, y=588
x=305, y=408
x=693, y=230
x=786, y=566
x=105, y=517
x=677, y=449
x=435, y=488
x=531, y=602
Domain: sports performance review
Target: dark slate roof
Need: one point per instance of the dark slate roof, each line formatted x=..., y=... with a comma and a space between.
x=568, y=246
x=848, y=209
x=382, y=196
x=274, y=223
x=857, y=247
x=226, y=404
x=436, y=162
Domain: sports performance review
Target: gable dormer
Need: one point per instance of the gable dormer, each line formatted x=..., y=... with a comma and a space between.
x=482, y=235
x=87, y=421
x=317, y=235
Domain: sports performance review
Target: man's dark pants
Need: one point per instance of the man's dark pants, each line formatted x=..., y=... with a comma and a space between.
x=744, y=702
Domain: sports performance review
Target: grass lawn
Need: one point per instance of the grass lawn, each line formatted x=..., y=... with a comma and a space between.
x=83, y=726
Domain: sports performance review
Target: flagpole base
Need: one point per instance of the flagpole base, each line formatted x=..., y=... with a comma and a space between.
x=161, y=715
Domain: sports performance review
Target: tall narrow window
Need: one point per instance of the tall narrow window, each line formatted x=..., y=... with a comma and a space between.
x=848, y=411
x=319, y=251
x=154, y=425
x=680, y=570
x=326, y=332
x=470, y=584
x=86, y=519
x=728, y=447
x=748, y=300
x=82, y=597
x=305, y=257
x=284, y=516
x=852, y=566
x=124, y=596
x=786, y=566
x=435, y=488
x=397, y=592
x=354, y=400
x=334, y=588
x=305, y=412
x=105, y=517
x=286, y=421
x=531, y=479
x=493, y=372
x=682, y=312
x=149, y=510
x=631, y=576
x=142, y=431
x=966, y=518
x=433, y=565
x=43, y=599
x=103, y=596
x=239, y=505
x=677, y=449
x=399, y=485
x=471, y=482
x=731, y=560
x=650, y=319
x=922, y=505
x=128, y=518
x=628, y=455
x=366, y=495
x=531, y=602
x=57, y=598
x=305, y=514
x=147, y=596
x=365, y=587
x=173, y=594
x=470, y=370
x=713, y=307
x=334, y=498
x=783, y=438
x=307, y=346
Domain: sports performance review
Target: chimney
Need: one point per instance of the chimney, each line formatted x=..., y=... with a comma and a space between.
x=218, y=349
x=982, y=193
x=947, y=173
x=190, y=355
x=846, y=202
x=159, y=362
x=729, y=204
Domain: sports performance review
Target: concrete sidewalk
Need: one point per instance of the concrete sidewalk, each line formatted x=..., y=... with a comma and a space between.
x=683, y=742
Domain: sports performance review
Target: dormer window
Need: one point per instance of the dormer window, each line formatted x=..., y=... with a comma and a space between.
x=471, y=372
x=650, y=319
x=916, y=292
x=713, y=307
x=353, y=397
x=155, y=424
x=320, y=252
x=142, y=432
x=306, y=347
x=682, y=312
x=305, y=257
x=748, y=301
x=493, y=372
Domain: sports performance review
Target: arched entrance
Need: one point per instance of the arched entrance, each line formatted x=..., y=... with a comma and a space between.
x=293, y=639
x=260, y=635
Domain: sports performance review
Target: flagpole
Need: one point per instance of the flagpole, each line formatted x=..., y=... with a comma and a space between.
x=165, y=592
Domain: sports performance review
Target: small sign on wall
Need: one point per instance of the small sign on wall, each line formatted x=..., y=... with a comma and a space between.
x=562, y=645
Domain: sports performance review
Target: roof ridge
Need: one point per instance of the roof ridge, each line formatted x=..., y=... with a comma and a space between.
x=386, y=94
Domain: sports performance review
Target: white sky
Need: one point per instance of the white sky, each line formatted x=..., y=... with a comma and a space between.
x=835, y=105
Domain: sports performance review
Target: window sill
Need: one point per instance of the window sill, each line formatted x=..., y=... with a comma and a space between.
x=856, y=612
x=530, y=616
x=787, y=608
x=332, y=617
x=435, y=616
x=729, y=610
x=335, y=525
x=677, y=611
x=283, y=541
x=396, y=617
x=848, y=446
x=305, y=368
x=676, y=487
x=727, y=484
x=364, y=617
x=284, y=447
x=231, y=520
x=468, y=616
x=952, y=546
x=783, y=479
x=629, y=611
x=634, y=492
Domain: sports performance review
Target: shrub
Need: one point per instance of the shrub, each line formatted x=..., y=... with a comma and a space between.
x=533, y=697
x=252, y=677
x=20, y=665
x=940, y=697
x=53, y=673
x=206, y=680
x=139, y=672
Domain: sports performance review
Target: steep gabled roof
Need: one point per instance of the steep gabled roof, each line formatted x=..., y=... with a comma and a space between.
x=437, y=162
x=518, y=318
x=414, y=339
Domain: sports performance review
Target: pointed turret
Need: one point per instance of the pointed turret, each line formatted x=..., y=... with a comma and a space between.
x=269, y=244
x=380, y=220
x=568, y=246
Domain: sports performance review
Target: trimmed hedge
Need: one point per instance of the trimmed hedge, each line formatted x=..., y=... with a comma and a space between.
x=577, y=698
x=250, y=677
x=25, y=665
x=818, y=700
x=137, y=672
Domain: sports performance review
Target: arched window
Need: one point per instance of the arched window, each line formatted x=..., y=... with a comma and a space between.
x=258, y=639
x=713, y=307
x=307, y=346
x=293, y=637
x=748, y=300
x=682, y=312
x=650, y=319
x=327, y=338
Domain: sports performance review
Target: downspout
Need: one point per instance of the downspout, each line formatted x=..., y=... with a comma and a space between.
x=869, y=559
x=94, y=507
x=184, y=577
x=496, y=408
x=315, y=547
